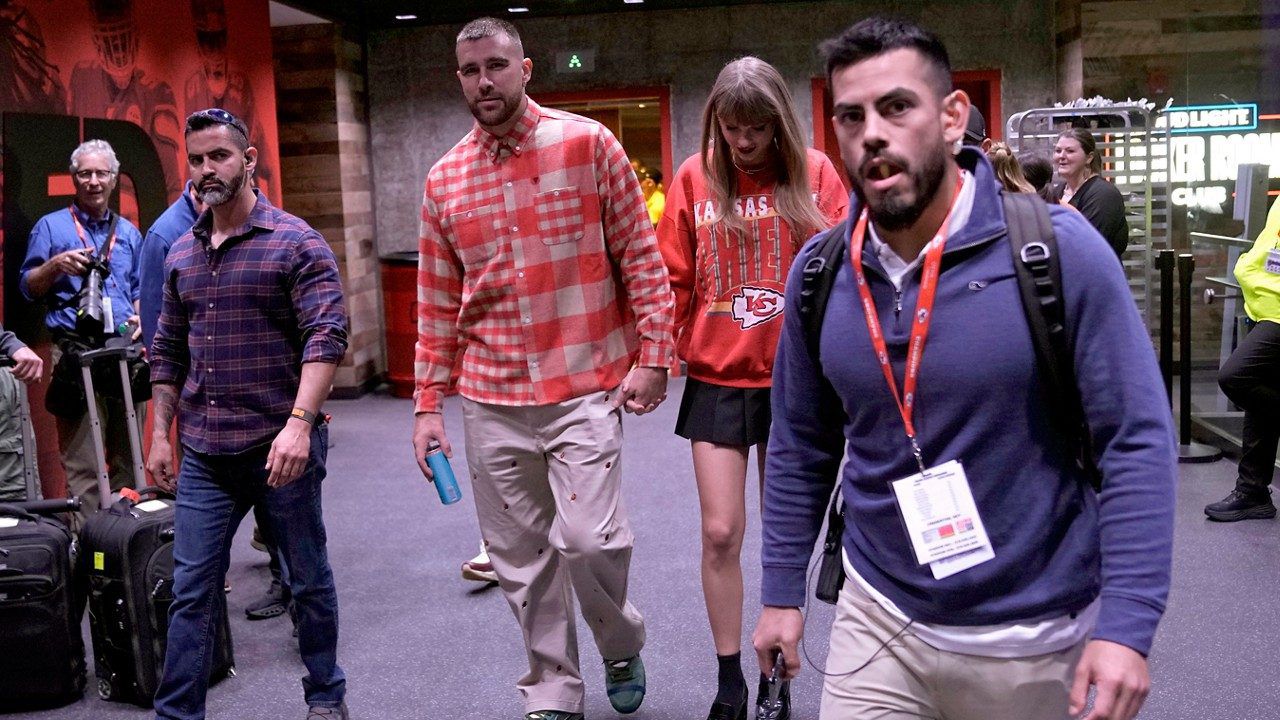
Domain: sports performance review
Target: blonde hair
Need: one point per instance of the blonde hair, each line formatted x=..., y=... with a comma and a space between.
x=749, y=90
x=1008, y=169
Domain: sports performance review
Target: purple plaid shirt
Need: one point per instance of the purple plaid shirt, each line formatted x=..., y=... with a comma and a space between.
x=238, y=322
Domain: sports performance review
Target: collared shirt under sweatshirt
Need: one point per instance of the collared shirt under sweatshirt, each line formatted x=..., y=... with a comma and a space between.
x=981, y=400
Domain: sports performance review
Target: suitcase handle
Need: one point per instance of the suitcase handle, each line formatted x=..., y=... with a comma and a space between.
x=48, y=507
x=118, y=348
x=130, y=497
x=156, y=490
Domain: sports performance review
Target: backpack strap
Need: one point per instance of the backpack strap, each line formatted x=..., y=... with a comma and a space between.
x=819, y=275
x=1039, y=271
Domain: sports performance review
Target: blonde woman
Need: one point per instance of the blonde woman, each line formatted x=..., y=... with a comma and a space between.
x=736, y=214
x=1008, y=169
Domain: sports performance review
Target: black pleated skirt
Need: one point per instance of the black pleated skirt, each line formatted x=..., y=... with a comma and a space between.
x=724, y=415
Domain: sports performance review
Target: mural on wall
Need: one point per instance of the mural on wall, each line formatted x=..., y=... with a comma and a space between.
x=148, y=63
x=129, y=72
x=30, y=81
x=217, y=84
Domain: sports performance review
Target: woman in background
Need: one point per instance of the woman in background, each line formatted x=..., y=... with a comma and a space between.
x=1008, y=169
x=736, y=215
x=1038, y=171
x=1079, y=163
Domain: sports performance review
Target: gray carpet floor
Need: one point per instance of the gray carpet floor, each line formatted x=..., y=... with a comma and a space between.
x=419, y=642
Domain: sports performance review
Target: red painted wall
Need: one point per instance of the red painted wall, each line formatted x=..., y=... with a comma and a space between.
x=147, y=62
x=151, y=62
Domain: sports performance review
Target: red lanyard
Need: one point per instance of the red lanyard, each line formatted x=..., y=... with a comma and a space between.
x=919, y=329
x=111, y=237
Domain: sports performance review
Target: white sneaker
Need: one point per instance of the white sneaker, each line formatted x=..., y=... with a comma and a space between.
x=479, y=569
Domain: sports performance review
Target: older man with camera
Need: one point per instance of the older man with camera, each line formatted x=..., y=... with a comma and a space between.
x=82, y=262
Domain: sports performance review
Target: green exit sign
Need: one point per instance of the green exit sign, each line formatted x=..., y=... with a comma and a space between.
x=576, y=61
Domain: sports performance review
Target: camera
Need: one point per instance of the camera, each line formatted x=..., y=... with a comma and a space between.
x=90, y=315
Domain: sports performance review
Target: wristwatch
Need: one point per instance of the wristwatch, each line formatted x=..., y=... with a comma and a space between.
x=305, y=415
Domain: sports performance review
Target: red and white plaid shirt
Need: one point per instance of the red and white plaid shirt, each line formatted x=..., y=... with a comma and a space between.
x=538, y=261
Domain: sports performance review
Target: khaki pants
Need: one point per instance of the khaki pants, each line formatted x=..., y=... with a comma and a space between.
x=910, y=679
x=547, y=486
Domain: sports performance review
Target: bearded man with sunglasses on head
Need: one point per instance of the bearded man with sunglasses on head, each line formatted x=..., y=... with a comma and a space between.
x=245, y=368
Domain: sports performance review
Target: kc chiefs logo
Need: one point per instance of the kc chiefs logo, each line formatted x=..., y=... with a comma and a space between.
x=753, y=305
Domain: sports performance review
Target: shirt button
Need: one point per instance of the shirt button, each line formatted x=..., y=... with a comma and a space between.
x=211, y=305
x=215, y=273
x=209, y=338
x=508, y=184
x=520, y=274
x=513, y=228
x=527, y=321
x=213, y=402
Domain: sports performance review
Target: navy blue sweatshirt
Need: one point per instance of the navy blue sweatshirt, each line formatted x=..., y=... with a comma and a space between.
x=981, y=400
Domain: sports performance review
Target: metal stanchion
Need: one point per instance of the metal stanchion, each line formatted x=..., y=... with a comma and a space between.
x=1165, y=262
x=1188, y=451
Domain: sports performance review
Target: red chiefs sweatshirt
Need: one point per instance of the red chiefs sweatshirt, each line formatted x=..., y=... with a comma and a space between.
x=729, y=284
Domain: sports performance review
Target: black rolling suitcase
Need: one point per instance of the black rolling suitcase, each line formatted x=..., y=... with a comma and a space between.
x=41, y=650
x=126, y=557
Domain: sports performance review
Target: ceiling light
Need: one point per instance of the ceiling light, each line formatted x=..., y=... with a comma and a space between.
x=632, y=2
x=642, y=106
x=517, y=9
x=406, y=17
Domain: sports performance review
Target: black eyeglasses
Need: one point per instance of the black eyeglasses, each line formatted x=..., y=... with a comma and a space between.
x=219, y=116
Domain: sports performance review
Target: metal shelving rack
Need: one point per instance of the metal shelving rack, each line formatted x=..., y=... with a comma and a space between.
x=1135, y=158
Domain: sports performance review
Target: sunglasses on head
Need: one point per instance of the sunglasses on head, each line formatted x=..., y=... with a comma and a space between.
x=221, y=117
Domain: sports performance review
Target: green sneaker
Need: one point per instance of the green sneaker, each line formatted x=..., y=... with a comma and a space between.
x=552, y=715
x=624, y=680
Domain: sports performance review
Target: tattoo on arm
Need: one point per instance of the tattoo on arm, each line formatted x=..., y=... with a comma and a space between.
x=165, y=403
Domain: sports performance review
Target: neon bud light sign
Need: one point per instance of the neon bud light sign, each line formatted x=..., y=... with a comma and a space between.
x=1208, y=144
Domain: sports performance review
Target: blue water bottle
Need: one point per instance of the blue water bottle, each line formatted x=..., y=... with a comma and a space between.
x=446, y=484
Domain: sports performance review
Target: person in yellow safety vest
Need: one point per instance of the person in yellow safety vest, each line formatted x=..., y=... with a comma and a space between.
x=1249, y=379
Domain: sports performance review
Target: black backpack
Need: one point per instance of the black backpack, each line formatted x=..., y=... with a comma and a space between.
x=1035, y=259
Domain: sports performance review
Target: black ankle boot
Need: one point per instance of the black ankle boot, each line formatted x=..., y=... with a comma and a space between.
x=730, y=711
x=767, y=709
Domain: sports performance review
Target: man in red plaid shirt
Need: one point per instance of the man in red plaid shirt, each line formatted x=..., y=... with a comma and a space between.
x=540, y=277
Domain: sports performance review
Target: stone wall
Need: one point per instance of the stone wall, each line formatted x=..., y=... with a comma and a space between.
x=418, y=113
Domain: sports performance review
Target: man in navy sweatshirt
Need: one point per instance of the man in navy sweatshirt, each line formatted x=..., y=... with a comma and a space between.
x=986, y=577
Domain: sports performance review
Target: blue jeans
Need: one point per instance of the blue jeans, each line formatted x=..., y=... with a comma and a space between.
x=214, y=494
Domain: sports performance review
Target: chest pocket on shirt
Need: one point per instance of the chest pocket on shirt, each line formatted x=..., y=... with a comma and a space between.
x=559, y=214
x=474, y=236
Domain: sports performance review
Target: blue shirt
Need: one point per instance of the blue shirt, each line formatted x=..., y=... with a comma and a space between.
x=981, y=399
x=171, y=225
x=56, y=233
